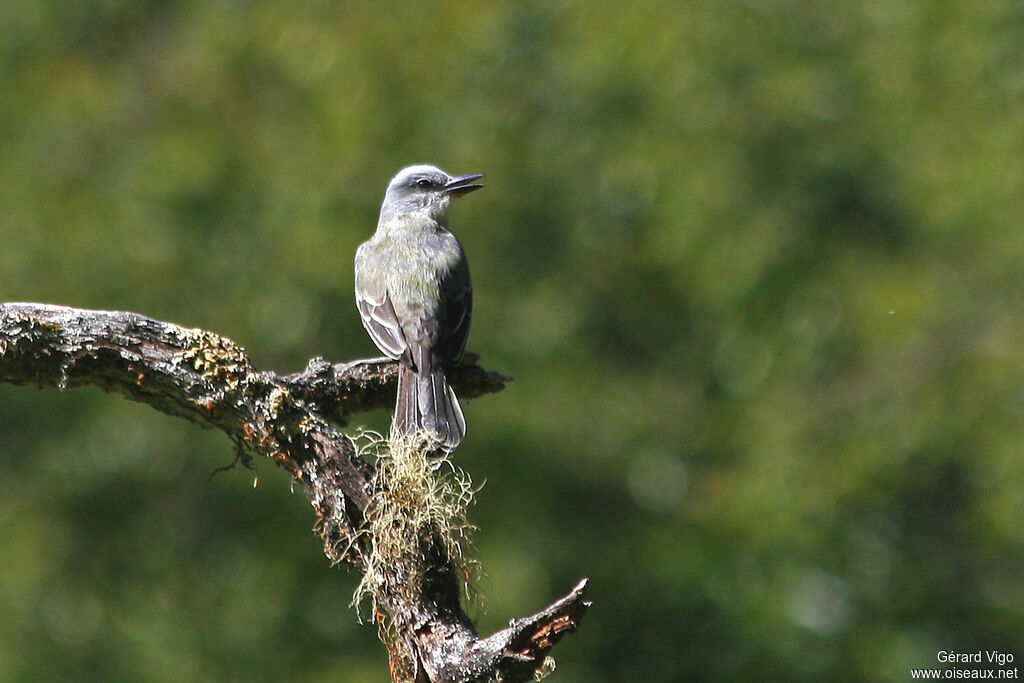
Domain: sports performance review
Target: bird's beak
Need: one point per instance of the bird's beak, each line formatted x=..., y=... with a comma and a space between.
x=460, y=185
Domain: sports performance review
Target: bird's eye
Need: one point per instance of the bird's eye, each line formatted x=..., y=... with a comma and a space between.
x=424, y=184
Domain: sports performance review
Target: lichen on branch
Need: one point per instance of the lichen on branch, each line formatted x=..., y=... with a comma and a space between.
x=401, y=522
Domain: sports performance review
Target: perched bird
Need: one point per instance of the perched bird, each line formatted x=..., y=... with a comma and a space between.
x=415, y=298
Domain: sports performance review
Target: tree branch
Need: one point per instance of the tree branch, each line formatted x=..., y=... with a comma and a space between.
x=336, y=391
x=209, y=380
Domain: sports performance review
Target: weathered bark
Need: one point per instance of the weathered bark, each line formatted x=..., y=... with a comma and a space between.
x=209, y=380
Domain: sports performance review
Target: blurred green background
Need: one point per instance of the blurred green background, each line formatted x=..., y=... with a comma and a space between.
x=756, y=267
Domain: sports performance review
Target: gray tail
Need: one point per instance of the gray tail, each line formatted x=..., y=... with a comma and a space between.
x=426, y=402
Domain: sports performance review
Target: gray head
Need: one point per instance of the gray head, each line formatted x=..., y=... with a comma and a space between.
x=426, y=190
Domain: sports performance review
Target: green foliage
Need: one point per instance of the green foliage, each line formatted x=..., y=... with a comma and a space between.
x=755, y=266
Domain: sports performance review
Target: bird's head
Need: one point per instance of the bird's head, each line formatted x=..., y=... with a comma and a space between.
x=426, y=189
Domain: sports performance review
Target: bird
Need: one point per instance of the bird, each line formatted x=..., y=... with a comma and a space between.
x=415, y=298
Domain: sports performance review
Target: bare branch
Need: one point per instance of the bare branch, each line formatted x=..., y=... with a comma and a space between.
x=519, y=651
x=341, y=389
x=209, y=380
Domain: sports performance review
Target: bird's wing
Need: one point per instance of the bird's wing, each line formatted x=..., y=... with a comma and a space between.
x=381, y=322
x=458, y=312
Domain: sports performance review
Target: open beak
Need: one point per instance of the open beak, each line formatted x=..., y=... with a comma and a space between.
x=460, y=185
